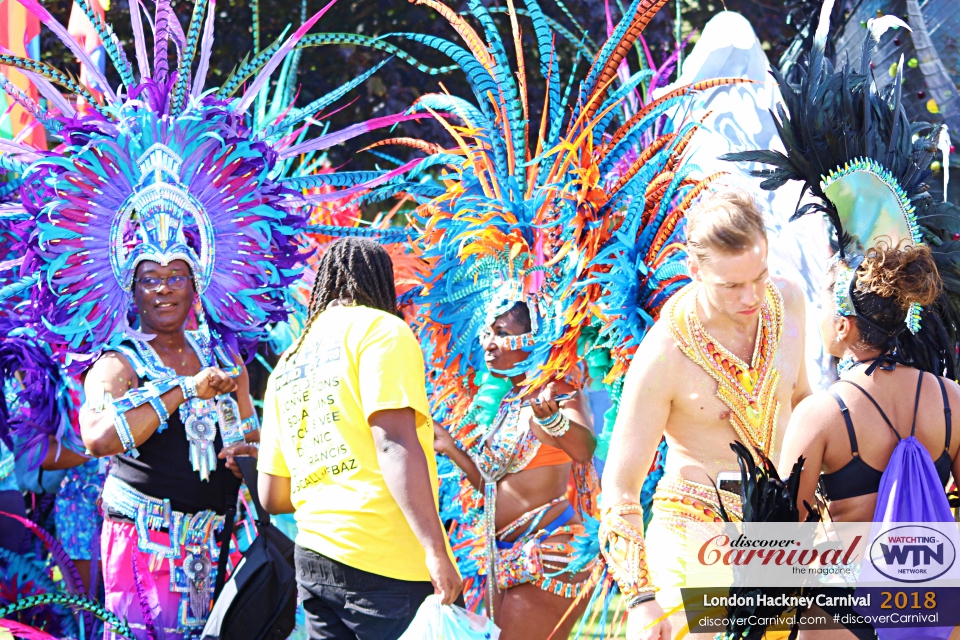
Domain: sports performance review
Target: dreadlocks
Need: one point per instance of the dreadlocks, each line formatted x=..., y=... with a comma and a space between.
x=353, y=269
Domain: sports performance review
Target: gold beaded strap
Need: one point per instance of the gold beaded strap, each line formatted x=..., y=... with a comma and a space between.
x=621, y=544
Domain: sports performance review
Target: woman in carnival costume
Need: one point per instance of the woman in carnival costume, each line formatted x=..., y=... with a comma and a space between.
x=162, y=203
x=888, y=306
x=508, y=234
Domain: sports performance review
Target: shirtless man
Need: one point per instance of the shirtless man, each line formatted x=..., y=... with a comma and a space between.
x=676, y=388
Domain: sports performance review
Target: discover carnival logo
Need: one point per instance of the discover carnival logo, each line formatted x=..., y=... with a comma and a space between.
x=748, y=551
x=912, y=553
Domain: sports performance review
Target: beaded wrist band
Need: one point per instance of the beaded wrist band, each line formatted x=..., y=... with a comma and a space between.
x=556, y=425
x=125, y=434
x=250, y=424
x=150, y=394
x=646, y=596
x=621, y=544
x=156, y=402
x=189, y=387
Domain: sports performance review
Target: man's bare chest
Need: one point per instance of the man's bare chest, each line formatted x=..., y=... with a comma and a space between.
x=697, y=400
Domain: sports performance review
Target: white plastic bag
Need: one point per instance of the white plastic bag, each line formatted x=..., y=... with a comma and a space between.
x=435, y=621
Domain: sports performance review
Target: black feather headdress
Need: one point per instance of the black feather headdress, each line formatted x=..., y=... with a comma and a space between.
x=866, y=167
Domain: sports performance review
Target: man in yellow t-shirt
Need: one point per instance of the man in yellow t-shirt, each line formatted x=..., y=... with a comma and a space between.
x=346, y=445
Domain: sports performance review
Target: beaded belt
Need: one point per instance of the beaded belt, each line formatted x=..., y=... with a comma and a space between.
x=154, y=514
x=678, y=500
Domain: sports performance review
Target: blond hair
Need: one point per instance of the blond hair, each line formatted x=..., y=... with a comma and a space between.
x=727, y=222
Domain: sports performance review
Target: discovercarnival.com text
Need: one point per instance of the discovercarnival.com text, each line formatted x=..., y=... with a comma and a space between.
x=804, y=621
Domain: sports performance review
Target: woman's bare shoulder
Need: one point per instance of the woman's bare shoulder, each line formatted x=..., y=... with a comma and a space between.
x=818, y=411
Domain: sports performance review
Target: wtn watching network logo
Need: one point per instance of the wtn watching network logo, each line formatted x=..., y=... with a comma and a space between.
x=912, y=553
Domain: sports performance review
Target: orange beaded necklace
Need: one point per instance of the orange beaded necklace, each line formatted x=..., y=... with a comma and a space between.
x=747, y=389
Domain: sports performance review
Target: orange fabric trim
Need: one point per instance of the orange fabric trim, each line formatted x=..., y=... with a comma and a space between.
x=548, y=456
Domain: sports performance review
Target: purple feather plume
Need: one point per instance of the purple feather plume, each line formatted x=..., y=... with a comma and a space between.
x=43, y=401
x=161, y=34
x=335, y=138
x=144, y=602
x=250, y=95
x=139, y=39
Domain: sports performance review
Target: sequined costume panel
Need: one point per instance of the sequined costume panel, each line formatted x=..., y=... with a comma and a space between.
x=161, y=583
x=76, y=512
x=545, y=554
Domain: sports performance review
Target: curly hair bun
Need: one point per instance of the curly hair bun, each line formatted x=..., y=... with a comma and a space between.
x=906, y=272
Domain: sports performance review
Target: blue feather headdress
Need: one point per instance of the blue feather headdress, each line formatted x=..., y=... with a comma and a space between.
x=164, y=169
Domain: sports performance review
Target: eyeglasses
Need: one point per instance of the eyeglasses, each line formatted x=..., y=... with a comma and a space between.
x=175, y=283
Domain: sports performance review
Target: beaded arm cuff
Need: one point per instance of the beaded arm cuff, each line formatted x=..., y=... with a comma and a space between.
x=189, y=387
x=251, y=424
x=125, y=434
x=621, y=544
x=150, y=394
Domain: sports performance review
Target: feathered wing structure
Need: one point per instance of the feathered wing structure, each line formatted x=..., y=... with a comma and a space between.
x=845, y=140
x=545, y=208
x=36, y=403
x=165, y=169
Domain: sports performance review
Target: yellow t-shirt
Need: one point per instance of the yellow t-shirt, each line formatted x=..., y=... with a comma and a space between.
x=354, y=362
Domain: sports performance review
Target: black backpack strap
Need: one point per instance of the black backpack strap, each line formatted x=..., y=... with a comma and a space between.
x=248, y=466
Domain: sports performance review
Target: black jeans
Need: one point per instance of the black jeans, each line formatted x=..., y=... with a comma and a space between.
x=343, y=603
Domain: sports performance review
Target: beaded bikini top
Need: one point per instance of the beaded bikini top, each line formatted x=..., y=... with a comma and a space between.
x=747, y=389
x=510, y=445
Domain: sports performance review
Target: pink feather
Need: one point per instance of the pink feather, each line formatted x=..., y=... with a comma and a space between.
x=70, y=574
x=335, y=138
x=44, y=16
x=276, y=59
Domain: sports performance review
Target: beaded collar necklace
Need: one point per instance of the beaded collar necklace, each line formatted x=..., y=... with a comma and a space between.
x=747, y=389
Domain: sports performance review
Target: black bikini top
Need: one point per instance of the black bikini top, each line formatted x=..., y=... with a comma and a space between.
x=857, y=478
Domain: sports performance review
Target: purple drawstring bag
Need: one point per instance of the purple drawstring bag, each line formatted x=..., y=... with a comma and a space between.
x=910, y=492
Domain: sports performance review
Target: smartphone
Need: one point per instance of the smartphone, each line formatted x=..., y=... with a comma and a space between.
x=561, y=397
x=729, y=481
